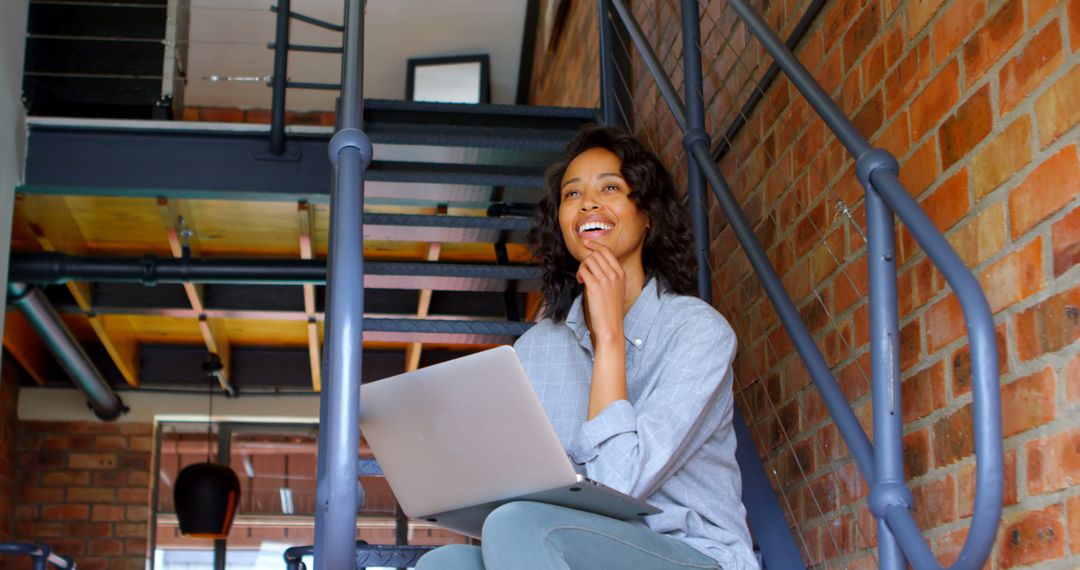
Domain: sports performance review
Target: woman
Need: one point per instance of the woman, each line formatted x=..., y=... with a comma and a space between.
x=632, y=370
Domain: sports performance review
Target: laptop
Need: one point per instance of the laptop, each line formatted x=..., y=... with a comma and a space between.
x=458, y=439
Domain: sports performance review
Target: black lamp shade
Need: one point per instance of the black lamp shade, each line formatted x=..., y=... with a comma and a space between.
x=206, y=496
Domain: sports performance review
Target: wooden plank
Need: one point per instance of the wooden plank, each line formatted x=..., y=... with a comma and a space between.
x=305, y=218
x=56, y=229
x=414, y=350
x=23, y=343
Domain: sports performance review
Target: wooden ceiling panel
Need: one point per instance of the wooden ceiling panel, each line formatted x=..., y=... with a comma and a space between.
x=252, y=332
x=166, y=330
x=109, y=224
x=229, y=228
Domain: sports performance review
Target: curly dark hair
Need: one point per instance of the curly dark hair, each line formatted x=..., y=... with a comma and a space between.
x=668, y=253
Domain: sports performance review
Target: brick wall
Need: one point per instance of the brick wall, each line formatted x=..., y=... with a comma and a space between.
x=83, y=489
x=9, y=394
x=978, y=100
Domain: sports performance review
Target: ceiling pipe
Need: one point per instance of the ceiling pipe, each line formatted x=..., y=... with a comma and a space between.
x=56, y=268
x=33, y=304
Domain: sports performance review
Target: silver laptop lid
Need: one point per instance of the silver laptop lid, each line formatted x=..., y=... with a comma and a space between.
x=462, y=433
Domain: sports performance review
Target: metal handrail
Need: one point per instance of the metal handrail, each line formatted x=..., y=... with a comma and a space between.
x=890, y=499
x=41, y=553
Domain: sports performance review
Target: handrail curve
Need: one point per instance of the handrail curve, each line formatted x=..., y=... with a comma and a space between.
x=876, y=169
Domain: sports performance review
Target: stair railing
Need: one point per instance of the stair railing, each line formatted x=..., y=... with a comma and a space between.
x=890, y=500
x=41, y=555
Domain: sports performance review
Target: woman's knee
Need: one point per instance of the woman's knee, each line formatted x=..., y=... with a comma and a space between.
x=452, y=557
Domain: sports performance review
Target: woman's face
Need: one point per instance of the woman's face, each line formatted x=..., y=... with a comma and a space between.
x=595, y=205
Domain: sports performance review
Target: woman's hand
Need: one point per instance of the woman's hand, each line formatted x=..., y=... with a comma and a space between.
x=605, y=293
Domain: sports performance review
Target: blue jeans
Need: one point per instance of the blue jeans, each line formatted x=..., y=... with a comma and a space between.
x=526, y=536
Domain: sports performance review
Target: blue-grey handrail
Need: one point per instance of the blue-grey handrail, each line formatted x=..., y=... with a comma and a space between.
x=338, y=493
x=804, y=343
x=890, y=499
x=41, y=554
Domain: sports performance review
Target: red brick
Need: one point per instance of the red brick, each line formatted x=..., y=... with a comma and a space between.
x=912, y=71
x=90, y=495
x=965, y=128
x=106, y=548
x=869, y=118
x=65, y=512
x=919, y=13
x=1056, y=109
x=991, y=42
x=107, y=513
x=137, y=546
x=953, y=438
x=40, y=495
x=1065, y=239
x=894, y=137
x=219, y=115
x=1022, y=74
x=923, y=392
x=1002, y=157
x=87, y=530
x=110, y=443
x=931, y=104
x=975, y=240
x=949, y=202
x=130, y=530
x=910, y=344
x=944, y=323
x=935, y=502
x=961, y=362
x=1053, y=462
x=1014, y=277
x=190, y=114
x=40, y=529
x=133, y=496
x=966, y=482
x=92, y=460
x=916, y=453
x=861, y=33
x=1028, y=402
x=1031, y=536
x=955, y=24
x=1045, y=191
x=921, y=168
x=137, y=513
x=1074, y=512
x=873, y=68
x=1074, y=28
x=1072, y=379
x=1048, y=326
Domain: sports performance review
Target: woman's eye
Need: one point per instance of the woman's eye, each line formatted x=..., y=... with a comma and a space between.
x=611, y=188
x=571, y=194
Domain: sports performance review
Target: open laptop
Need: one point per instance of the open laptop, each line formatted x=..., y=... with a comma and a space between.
x=458, y=439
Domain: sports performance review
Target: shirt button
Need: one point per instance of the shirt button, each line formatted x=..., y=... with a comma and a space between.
x=637, y=341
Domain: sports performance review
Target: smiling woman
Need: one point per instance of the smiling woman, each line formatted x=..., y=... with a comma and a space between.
x=633, y=372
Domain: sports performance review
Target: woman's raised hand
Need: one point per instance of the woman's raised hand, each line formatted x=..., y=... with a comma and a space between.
x=605, y=293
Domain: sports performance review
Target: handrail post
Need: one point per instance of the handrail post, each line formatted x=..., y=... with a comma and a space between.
x=885, y=369
x=350, y=154
x=695, y=131
x=281, y=66
x=608, y=104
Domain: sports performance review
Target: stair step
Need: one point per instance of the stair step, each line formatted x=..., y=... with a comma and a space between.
x=442, y=173
x=484, y=125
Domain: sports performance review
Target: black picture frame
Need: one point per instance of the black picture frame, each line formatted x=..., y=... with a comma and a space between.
x=485, y=71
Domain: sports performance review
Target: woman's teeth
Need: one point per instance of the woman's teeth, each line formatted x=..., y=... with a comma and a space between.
x=594, y=226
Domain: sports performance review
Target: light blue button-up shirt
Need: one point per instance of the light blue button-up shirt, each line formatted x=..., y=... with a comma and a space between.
x=671, y=441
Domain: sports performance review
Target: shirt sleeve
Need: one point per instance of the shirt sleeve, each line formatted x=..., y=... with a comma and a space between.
x=634, y=448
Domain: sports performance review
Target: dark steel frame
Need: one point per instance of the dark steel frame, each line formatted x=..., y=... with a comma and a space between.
x=882, y=466
x=485, y=72
x=41, y=554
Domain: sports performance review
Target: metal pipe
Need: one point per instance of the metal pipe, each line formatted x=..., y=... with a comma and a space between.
x=41, y=315
x=848, y=135
x=793, y=41
x=820, y=373
x=350, y=154
x=281, y=67
x=667, y=90
x=834, y=398
x=608, y=104
x=41, y=553
x=57, y=268
x=695, y=122
x=885, y=366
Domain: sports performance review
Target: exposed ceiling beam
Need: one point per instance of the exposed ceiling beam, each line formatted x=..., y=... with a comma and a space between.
x=55, y=229
x=412, y=353
x=177, y=219
x=22, y=343
x=305, y=216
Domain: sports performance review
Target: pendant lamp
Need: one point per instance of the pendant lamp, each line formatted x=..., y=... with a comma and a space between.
x=206, y=494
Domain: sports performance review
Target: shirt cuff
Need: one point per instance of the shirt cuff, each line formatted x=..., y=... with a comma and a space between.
x=618, y=417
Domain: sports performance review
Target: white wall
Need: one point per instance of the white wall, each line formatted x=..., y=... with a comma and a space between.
x=12, y=124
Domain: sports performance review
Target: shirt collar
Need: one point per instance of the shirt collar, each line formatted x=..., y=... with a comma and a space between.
x=637, y=323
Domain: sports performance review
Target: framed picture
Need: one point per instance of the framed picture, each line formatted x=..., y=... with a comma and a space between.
x=458, y=79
